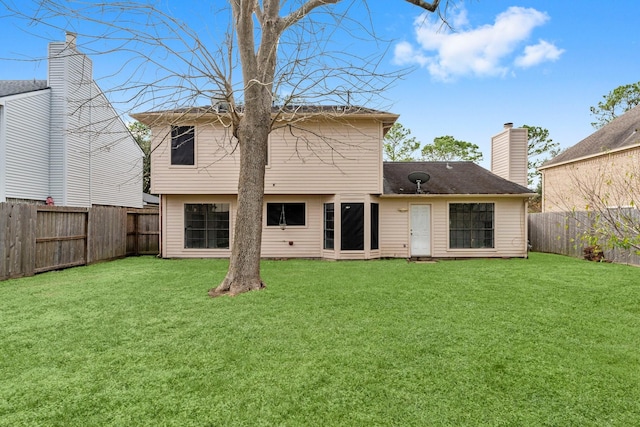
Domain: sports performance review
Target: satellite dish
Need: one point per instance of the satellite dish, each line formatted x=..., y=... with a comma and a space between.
x=419, y=178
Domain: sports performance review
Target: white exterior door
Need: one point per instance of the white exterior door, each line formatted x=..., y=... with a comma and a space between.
x=420, y=230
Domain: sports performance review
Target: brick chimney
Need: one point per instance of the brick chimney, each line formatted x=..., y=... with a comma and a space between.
x=509, y=154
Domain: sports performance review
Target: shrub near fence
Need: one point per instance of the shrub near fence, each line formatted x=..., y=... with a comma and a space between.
x=563, y=232
x=36, y=238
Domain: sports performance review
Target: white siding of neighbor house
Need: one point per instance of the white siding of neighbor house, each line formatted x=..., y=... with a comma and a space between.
x=116, y=158
x=57, y=148
x=26, y=158
x=509, y=225
x=299, y=162
x=78, y=132
x=93, y=157
x=509, y=155
x=3, y=157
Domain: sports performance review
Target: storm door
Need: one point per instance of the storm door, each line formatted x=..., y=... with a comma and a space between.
x=352, y=227
x=420, y=230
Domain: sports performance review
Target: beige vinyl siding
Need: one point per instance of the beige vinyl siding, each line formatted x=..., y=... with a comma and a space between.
x=509, y=155
x=519, y=153
x=394, y=228
x=217, y=163
x=26, y=161
x=500, y=154
x=509, y=229
x=306, y=240
x=173, y=226
x=116, y=158
x=509, y=225
x=612, y=176
x=347, y=160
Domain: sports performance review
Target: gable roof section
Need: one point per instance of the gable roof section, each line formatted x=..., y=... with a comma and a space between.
x=623, y=131
x=15, y=87
x=447, y=178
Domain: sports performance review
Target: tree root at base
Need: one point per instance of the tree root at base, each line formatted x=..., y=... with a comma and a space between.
x=233, y=288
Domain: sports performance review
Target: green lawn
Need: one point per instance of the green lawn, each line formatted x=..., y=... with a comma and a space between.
x=548, y=341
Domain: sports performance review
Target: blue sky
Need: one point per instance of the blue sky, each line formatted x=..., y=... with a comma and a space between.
x=541, y=63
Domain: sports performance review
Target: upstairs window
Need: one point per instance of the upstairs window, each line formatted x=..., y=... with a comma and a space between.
x=182, y=145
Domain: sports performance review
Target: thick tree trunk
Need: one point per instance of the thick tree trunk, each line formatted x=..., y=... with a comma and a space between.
x=244, y=265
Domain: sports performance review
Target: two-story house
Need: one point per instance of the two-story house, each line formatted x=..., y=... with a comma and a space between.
x=328, y=193
x=62, y=140
x=601, y=171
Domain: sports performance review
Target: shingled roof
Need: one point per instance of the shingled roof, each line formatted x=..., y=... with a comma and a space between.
x=14, y=87
x=623, y=131
x=447, y=178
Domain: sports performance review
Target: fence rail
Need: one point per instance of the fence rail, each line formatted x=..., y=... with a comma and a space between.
x=563, y=232
x=36, y=238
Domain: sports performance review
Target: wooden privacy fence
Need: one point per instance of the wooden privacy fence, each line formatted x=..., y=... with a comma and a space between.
x=36, y=238
x=563, y=233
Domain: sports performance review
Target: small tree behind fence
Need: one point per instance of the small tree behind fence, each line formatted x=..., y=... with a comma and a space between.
x=36, y=238
x=568, y=233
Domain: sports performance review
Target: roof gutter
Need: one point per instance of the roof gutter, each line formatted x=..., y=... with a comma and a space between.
x=444, y=196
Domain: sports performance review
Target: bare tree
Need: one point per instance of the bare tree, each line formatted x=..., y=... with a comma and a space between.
x=602, y=195
x=281, y=48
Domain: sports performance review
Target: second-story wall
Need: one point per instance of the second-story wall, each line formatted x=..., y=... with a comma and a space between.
x=320, y=156
x=608, y=180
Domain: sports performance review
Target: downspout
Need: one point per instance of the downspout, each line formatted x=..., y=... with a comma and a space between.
x=160, y=226
x=526, y=228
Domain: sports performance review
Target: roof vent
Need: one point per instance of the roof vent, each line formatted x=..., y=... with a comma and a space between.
x=221, y=107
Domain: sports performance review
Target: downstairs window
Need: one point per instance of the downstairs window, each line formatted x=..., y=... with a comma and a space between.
x=471, y=225
x=206, y=226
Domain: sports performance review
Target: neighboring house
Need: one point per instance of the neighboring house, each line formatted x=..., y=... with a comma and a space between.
x=61, y=138
x=328, y=193
x=602, y=170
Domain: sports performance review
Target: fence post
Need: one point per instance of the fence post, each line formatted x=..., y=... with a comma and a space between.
x=17, y=240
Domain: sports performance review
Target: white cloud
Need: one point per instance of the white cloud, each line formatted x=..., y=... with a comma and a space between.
x=483, y=51
x=537, y=54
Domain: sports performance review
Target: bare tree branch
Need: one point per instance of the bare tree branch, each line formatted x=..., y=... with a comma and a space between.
x=431, y=7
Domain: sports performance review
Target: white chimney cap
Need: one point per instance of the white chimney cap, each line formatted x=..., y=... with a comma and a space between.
x=71, y=38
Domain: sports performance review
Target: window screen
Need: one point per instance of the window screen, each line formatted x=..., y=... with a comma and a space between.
x=182, y=145
x=286, y=214
x=206, y=226
x=471, y=225
x=329, y=215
